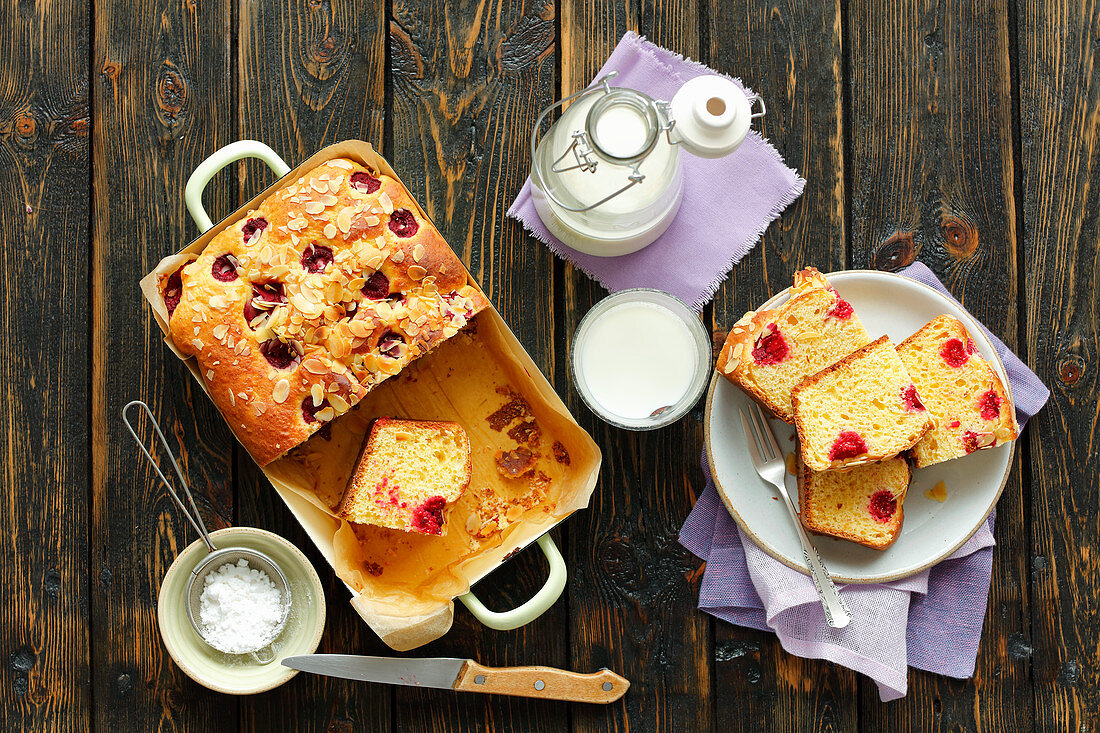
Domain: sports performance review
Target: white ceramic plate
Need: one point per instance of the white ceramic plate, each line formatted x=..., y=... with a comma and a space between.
x=896, y=306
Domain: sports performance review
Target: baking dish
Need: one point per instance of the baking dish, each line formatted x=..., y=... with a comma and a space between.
x=405, y=609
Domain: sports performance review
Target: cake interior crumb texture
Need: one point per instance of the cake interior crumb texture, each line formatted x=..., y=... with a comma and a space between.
x=962, y=391
x=769, y=352
x=407, y=476
x=864, y=408
x=863, y=504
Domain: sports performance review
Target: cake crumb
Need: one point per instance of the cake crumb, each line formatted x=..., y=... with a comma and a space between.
x=527, y=432
x=937, y=492
x=515, y=463
x=515, y=407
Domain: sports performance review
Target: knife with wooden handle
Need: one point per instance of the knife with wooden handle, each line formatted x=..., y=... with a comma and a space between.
x=468, y=676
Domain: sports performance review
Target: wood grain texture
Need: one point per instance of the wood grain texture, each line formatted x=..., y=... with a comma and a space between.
x=45, y=682
x=964, y=134
x=324, y=69
x=791, y=54
x=932, y=178
x=632, y=587
x=1059, y=78
x=161, y=73
x=468, y=81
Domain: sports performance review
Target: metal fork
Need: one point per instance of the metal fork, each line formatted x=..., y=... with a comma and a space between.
x=769, y=463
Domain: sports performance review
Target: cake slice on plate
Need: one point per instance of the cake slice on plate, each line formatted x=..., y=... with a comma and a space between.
x=862, y=409
x=970, y=405
x=861, y=505
x=408, y=473
x=768, y=352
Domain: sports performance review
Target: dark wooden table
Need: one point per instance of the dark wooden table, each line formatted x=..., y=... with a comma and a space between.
x=965, y=133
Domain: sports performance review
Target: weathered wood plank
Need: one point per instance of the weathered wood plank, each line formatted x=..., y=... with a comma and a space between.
x=323, y=67
x=469, y=79
x=932, y=177
x=791, y=54
x=1060, y=142
x=632, y=591
x=162, y=101
x=44, y=432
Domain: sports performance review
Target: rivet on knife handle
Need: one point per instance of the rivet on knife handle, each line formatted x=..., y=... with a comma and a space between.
x=546, y=682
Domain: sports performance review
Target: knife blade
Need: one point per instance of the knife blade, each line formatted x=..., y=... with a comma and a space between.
x=466, y=675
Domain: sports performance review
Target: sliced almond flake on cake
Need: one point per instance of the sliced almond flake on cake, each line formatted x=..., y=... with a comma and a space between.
x=281, y=391
x=385, y=202
x=343, y=219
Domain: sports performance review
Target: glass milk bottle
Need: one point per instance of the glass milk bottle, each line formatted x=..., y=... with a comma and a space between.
x=606, y=177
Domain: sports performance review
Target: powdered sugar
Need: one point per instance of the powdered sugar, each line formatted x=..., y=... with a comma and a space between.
x=241, y=609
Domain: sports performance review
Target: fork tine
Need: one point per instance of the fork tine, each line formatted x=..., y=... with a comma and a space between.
x=768, y=431
x=751, y=440
x=761, y=431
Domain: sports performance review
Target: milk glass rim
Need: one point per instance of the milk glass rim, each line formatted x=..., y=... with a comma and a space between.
x=687, y=316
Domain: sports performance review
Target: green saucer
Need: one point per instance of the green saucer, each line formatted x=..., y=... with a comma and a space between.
x=239, y=674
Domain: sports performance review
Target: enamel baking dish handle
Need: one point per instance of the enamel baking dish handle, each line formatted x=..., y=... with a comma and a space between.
x=532, y=609
x=196, y=184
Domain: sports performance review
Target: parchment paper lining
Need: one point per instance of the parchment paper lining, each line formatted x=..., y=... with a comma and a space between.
x=461, y=380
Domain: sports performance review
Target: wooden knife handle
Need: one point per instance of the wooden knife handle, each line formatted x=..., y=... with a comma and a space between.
x=544, y=682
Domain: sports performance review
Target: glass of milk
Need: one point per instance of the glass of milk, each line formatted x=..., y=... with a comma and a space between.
x=641, y=359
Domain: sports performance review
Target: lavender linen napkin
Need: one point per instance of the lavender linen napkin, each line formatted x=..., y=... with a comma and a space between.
x=728, y=202
x=932, y=620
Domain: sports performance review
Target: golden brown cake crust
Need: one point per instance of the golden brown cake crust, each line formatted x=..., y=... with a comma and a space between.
x=737, y=350
x=295, y=311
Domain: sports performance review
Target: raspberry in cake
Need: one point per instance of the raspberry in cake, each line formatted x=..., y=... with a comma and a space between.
x=408, y=473
x=858, y=410
x=969, y=403
x=768, y=352
x=862, y=505
x=330, y=287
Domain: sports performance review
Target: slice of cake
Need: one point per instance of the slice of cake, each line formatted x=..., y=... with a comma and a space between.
x=861, y=505
x=862, y=409
x=970, y=405
x=407, y=474
x=768, y=352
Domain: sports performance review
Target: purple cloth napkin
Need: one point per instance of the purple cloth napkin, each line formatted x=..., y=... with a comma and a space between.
x=728, y=202
x=932, y=620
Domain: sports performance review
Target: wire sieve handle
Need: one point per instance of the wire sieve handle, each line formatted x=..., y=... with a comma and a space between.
x=196, y=517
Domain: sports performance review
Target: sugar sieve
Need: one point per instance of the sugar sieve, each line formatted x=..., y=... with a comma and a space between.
x=216, y=558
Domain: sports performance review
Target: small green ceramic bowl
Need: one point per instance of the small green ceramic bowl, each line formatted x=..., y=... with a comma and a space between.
x=239, y=674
